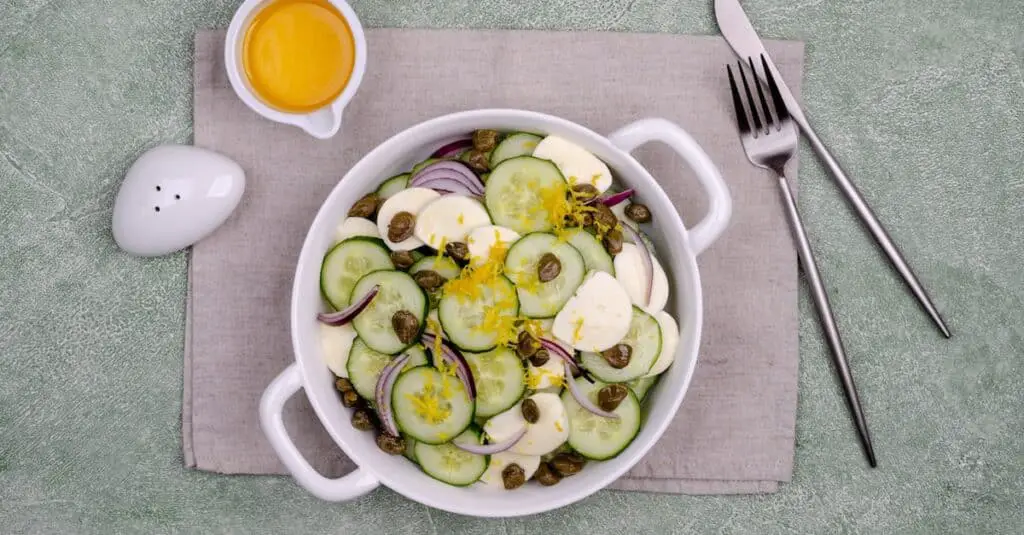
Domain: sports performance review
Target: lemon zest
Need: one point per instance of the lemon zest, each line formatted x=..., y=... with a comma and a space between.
x=427, y=405
x=440, y=252
x=576, y=328
x=558, y=426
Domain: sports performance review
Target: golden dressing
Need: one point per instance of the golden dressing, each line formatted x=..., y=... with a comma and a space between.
x=298, y=55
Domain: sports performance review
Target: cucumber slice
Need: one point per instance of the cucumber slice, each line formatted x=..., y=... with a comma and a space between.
x=594, y=254
x=543, y=299
x=643, y=337
x=346, y=263
x=516, y=190
x=641, y=386
x=499, y=376
x=596, y=437
x=429, y=406
x=448, y=464
x=418, y=167
x=443, y=265
x=477, y=323
x=518, y=144
x=398, y=291
x=410, y=448
x=364, y=365
x=393, y=185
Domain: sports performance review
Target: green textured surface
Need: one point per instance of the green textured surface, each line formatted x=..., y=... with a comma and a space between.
x=923, y=101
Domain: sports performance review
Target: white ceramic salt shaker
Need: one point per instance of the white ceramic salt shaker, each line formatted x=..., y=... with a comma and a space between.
x=172, y=197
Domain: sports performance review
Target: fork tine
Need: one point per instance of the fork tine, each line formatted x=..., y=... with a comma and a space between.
x=741, y=114
x=780, y=106
x=750, y=98
x=760, y=95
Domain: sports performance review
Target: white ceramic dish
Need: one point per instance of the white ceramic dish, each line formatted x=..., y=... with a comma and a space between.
x=322, y=123
x=676, y=246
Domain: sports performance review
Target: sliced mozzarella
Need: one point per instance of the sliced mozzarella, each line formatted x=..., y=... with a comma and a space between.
x=551, y=429
x=669, y=342
x=335, y=342
x=411, y=200
x=629, y=270
x=620, y=212
x=578, y=165
x=355, y=226
x=597, y=316
x=492, y=476
x=549, y=432
x=449, y=219
x=481, y=239
x=550, y=374
x=505, y=425
x=550, y=390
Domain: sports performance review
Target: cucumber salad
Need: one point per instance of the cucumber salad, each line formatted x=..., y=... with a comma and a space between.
x=497, y=311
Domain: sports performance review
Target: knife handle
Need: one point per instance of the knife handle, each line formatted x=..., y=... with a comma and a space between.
x=867, y=216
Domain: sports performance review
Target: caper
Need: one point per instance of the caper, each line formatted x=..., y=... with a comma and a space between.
x=458, y=251
x=527, y=345
x=584, y=191
x=638, y=212
x=485, y=140
x=406, y=326
x=540, y=358
x=428, y=279
x=365, y=207
x=612, y=241
x=603, y=216
x=567, y=464
x=350, y=398
x=548, y=267
x=530, y=410
x=343, y=384
x=403, y=260
x=513, y=476
x=609, y=397
x=478, y=161
x=391, y=444
x=545, y=475
x=363, y=419
x=618, y=355
x=400, y=227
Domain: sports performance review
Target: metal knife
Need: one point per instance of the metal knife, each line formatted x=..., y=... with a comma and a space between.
x=740, y=35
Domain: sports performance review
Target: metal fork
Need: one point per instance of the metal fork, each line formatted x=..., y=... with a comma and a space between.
x=770, y=144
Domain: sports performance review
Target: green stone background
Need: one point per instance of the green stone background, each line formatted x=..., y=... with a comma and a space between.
x=922, y=100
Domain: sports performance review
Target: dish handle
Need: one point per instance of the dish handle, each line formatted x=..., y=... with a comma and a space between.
x=347, y=487
x=638, y=133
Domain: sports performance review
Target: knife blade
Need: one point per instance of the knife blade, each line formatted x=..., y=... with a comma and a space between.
x=740, y=35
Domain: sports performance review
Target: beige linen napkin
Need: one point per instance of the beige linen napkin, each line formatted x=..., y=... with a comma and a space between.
x=735, y=431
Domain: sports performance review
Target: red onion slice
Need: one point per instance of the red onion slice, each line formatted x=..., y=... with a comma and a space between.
x=382, y=394
x=491, y=449
x=449, y=169
x=613, y=199
x=560, y=350
x=344, y=316
x=582, y=398
x=451, y=356
x=452, y=149
x=645, y=257
x=449, y=185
